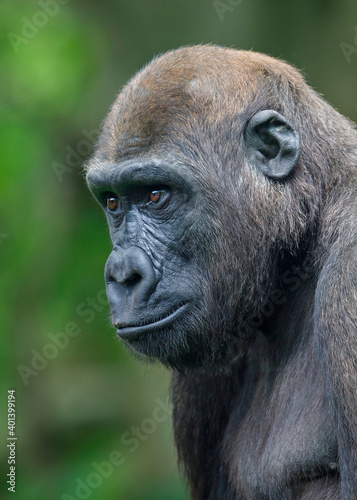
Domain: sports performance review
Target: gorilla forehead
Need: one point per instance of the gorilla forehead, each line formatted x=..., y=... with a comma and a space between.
x=184, y=89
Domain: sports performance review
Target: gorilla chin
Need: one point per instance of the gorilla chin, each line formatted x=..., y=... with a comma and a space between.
x=168, y=341
x=182, y=341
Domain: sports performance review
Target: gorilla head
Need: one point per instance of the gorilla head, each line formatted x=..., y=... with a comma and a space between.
x=198, y=171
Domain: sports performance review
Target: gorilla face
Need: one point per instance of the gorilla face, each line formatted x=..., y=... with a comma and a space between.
x=159, y=272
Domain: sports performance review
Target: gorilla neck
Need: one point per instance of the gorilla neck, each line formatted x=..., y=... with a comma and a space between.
x=204, y=415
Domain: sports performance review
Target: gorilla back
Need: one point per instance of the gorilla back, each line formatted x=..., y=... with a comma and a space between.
x=229, y=186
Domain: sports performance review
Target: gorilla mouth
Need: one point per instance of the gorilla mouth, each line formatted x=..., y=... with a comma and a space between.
x=133, y=331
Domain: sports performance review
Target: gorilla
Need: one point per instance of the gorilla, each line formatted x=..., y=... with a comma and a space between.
x=230, y=187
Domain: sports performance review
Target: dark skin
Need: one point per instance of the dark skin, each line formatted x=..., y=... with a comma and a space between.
x=230, y=190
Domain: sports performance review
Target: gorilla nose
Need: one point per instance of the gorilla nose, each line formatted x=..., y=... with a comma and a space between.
x=130, y=279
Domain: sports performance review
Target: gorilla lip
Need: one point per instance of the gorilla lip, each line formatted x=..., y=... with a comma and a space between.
x=131, y=332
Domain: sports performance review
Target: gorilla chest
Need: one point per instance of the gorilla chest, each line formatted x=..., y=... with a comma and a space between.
x=280, y=435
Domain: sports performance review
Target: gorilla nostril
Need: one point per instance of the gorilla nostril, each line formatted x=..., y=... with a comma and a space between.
x=132, y=280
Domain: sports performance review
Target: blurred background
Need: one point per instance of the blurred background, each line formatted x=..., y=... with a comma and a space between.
x=91, y=421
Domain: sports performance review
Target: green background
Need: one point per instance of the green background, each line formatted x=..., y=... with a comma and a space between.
x=57, y=81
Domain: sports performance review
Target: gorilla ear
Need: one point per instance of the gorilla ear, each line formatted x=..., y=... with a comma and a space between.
x=272, y=144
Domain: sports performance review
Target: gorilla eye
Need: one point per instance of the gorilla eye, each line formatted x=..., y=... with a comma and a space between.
x=112, y=203
x=157, y=195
